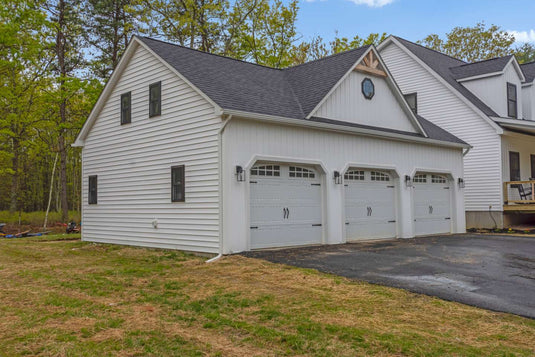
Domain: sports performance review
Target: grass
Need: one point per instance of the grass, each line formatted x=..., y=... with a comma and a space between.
x=60, y=296
x=35, y=219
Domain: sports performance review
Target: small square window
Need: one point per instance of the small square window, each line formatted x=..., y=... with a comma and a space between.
x=126, y=111
x=155, y=99
x=178, y=184
x=92, y=194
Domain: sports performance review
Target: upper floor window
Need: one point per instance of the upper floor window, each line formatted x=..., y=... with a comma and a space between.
x=155, y=99
x=126, y=111
x=92, y=194
x=412, y=102
x=511, y=100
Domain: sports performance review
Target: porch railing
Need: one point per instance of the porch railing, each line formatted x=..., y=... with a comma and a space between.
x=519, y=192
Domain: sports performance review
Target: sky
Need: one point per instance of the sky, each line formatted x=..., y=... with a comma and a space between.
x=413, y=19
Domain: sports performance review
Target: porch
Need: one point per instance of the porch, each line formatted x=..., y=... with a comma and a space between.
x=519, y=196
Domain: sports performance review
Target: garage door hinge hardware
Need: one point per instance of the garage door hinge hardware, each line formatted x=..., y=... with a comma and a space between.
x=253, y=182
x=447, y=218
x=254, y=227
x=446, y=188
x=346, y=185
x=316, y=225
x=390, y=186
x=347, y=222
x=315, y=184
x=394, y=221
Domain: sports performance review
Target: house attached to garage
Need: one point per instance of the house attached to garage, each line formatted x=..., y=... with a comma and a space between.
x=193, y=151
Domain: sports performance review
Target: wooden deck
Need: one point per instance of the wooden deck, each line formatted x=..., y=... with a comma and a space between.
x=514, y=201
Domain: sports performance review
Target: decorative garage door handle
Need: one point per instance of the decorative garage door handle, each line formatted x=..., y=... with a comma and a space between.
x=370, y=211
x=430, y=209
x=286, y=212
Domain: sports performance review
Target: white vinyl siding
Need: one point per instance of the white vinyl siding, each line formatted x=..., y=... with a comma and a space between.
x=133, y=164
x=493, y=90
x=437, y=103
x=347, y=103
x=528, y=102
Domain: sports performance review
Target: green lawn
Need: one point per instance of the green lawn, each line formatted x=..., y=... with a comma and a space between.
x=66, y=297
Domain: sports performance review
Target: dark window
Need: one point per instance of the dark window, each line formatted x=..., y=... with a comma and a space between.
x=368, y=88
x=126, y=112
x=511, y=100
x=412, y=101
x=514, y=166
x=532, y=157
x=177, y=184
x=92, y=194
x=155, y=99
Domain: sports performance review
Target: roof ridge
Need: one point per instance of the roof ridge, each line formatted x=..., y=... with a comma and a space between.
x=328, y=57
x=485, y=60
x=430, y=49
x=526, y=63
x=210, y=53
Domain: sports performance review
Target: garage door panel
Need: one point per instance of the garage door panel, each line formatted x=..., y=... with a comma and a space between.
x=284, y=210
x=432, y=206
x=369, y=208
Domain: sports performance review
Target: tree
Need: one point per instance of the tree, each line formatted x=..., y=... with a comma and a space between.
x=317, y=48
x=67, y=30
x=472, y=44
x=23, y=61
x=525, y=53
x=108, y=28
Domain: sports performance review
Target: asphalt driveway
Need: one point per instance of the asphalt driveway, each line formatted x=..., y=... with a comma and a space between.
x=489, y=271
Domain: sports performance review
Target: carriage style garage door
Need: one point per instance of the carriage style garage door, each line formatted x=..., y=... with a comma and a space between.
x=432, y=204
x=285, y=206
x=370, y=205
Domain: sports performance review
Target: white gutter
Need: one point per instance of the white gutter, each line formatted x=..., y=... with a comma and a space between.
x=341, y=128
x=481, y=76
x=220, y=154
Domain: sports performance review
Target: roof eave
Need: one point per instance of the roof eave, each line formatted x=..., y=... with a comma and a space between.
x=339, y=128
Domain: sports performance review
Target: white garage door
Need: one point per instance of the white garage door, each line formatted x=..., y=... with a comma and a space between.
x=370, y=205
x=432, y=204
x=285, y=205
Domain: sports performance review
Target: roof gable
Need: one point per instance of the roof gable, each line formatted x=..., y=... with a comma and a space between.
x=494, y=65
x=441, y=64
x=529, y=71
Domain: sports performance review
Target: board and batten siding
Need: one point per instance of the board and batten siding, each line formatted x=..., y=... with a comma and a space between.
x=493, y=90
x=245, y=141
x=438, y=104
x=347, y=103
x=133, y=163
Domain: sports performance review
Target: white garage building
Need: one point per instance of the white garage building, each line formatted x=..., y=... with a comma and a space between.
x=199, y=152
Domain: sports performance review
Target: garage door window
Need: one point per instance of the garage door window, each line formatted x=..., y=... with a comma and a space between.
x=266, y=170
x=355, y=175
x=379, y=176
x=438, y=179
x=301, y=172
x=420, y=178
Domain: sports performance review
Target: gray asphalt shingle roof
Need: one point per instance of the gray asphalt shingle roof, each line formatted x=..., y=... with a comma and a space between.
x=482, y=67
x=442, y=65
x=292, y=92
x=529, y=71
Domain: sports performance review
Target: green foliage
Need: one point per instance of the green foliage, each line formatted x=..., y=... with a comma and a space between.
x=525, y=53
x=472, y=44
x=36, y=218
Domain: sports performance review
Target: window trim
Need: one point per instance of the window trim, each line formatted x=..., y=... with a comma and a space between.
x=123, y=121
x=183, y=186
x=90, y=199
x=159, y=86
x=510, y=100
x=415, y=94
x=511, y=154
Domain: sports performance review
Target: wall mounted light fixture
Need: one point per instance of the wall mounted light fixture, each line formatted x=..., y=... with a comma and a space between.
x=240, y=174
x=408, y=181
x=460, y=181
x=337, y=177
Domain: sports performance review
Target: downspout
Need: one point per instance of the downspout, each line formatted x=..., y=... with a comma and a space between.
x=220, y=154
